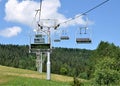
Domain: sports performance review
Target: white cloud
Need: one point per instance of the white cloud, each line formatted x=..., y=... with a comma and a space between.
x=20, y=11
x=24, y=11
x=10, y=32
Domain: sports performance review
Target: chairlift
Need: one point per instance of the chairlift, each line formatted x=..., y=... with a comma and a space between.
x=57, y=36
x=82, y=36
x=64, y=35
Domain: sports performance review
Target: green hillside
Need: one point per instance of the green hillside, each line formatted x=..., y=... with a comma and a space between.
x=18, y=77
x=98, y=67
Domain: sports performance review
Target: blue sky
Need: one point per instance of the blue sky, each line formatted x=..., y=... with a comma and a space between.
x=16, y=18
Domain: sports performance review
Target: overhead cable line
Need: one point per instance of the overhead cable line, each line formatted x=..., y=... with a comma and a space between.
x=84, y=13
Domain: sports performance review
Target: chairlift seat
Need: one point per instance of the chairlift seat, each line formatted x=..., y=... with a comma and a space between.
x=40, y=46
x=64, y=38
x=83, y=40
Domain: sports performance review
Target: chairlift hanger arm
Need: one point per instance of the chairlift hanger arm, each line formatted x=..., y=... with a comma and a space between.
x=84, y=13
x=40, y=9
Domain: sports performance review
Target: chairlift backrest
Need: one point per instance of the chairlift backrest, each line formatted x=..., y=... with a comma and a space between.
x=64, y=35
x=83, y=36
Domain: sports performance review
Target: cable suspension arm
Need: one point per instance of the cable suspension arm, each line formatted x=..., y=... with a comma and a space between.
x=40, y=9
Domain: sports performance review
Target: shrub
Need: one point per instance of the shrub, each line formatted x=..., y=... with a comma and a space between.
x=106, y=73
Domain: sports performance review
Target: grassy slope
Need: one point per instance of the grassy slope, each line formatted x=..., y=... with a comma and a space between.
x=20, y=77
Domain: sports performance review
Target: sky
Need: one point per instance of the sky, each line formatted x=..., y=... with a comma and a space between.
x=17, y=20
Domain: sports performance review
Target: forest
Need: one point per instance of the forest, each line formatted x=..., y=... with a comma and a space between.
x=101, y=65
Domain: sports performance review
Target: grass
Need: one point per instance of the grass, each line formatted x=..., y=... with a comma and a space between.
x=22, y=81
x=19, y=77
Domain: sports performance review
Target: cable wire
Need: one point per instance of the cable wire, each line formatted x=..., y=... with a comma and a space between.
x=84, y=13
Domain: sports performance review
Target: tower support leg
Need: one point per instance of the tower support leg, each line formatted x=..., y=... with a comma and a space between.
x=48, y=66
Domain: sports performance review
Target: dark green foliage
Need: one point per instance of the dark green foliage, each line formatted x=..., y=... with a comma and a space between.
x=106, y=72
x=106, y=64
x=71, y=62
x=107, y=49
x=63, y=71
x=16, y=56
